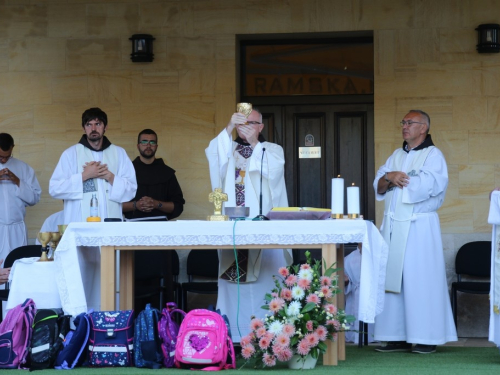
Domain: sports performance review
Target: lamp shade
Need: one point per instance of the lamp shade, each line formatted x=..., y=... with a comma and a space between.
x=142, y=48
x=487, y=37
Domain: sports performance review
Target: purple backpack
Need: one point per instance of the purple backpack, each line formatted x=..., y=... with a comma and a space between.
x=168, y=329
x=15, y=335
x=203, y=342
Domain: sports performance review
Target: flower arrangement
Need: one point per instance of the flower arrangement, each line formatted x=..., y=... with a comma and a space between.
x=301, y=317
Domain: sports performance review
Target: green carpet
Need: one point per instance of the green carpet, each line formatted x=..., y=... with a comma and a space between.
x=447, y=360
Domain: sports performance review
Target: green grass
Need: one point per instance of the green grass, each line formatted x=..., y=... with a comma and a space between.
x=447, y=360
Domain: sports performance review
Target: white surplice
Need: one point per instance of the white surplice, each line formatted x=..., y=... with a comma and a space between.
x=352, y=269
x=494, y=219
x=13, y=202
x=66, y=183
x=421, y=313
x=222, y=174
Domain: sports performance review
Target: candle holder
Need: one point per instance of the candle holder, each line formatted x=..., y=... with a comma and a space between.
x=353, y=216
x=337, y=216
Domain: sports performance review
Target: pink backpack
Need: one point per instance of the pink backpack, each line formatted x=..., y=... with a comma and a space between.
x=15, y=335
x=203, y=342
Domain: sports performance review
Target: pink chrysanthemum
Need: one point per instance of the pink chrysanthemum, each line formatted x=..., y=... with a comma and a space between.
x=277, y=349
x=269, y=336
x=264, y=343
x=269, y=360
x=305, y=266
x=282, y=340
x=286, y=294
x=332, y=309
x=325, y=280
x=285, y=355
x=245, y=340
x=276, y=304
x=247, y=351
x=312, y=339
x=334, y=323
x=313, y=298
x=303, y=347
x=327, y=292
x=304, y=284
x=274, y=294
x=322, y=332
x=256, y=323
x=309, y=325
x=260, y=332
x=283, y=271
x=289, y=330
x=291, y=280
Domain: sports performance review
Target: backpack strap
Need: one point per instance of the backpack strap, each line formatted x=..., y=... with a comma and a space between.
x=29, y=311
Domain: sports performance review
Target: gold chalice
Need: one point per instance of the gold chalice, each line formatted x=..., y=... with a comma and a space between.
x=62, y=228
x=56, y=237
x=44, y=238
x=244, y=108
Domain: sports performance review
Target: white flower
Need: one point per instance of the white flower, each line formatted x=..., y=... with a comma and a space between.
x=276, y=327
x=294, y=308
x=306, y=274
x=298, y=293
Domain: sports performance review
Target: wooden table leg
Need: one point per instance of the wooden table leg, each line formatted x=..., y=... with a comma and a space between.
x=330, y=358
x=108, y=278
x=341, y=299
x=126, y=280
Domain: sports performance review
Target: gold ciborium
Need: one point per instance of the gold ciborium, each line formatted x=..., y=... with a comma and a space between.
x=244, y=108
x=56, y=237
x=44, y=238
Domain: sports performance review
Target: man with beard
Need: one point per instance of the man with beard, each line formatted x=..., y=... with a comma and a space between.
x=158, y=194
x=94, y=166
x=19, y=188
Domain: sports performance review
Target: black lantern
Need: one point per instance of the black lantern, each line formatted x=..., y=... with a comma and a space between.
x=142, y=48
x=487, y=37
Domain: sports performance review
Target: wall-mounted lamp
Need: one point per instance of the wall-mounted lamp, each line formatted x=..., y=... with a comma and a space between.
x=487, y=37
x=142, y=48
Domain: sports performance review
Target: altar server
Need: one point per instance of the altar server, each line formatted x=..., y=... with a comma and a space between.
x=94, y=166
x=413, y=184
x=19, y=188
x=235, y=166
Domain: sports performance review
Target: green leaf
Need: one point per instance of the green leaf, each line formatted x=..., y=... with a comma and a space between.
x=322, y=346
x=268, y=297
x=265, y=307
x=308, y=307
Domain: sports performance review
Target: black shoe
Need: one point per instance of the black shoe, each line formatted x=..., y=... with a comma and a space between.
x=424, y=349
x=394, y=346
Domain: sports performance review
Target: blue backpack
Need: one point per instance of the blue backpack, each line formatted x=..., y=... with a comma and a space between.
x=111, y=341
x=75, y=344
x=147, y=344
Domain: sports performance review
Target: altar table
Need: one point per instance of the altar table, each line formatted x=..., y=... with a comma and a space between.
x=135, y=236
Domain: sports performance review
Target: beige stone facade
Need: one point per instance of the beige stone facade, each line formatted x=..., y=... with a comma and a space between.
x=60, y=57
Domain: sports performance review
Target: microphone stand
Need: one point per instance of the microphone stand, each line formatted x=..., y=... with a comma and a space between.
x=261, y=217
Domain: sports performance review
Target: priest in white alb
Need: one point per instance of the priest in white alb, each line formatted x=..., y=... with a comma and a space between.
x=235, y=166
x=494, y=219
x=413, y=183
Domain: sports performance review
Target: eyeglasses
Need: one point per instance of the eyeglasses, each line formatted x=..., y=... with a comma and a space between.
x=253, y=123
x=145, y=142
x=410, y=123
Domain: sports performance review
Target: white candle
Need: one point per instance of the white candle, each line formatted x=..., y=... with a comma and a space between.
x=337, y=195
x=353, y=199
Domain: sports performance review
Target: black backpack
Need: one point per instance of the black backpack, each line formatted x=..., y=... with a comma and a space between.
x=49, y=329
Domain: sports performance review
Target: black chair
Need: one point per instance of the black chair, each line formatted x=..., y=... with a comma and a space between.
x=201, y=263
x=27, y=251
x=473, y=259
x=156, y=275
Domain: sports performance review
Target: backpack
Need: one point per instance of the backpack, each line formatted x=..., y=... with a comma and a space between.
x=111, y=340
x=168, y=330
x=147, y=344
x=15, y=335
x=203, y=342
x=224, y=316
x=49, y=329
x=75, y=344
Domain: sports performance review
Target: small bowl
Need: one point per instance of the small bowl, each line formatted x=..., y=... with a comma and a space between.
x=237, y=212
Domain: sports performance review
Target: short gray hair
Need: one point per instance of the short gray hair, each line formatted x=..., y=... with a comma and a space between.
x=424, y=115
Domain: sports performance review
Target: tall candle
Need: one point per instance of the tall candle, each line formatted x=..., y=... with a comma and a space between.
x=353, y=199
x=337, y=195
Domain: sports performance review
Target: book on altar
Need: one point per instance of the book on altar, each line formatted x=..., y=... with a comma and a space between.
x=299, y=213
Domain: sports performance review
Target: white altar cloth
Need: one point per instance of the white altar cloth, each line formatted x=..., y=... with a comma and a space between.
x=75, y=268
x=35, y=280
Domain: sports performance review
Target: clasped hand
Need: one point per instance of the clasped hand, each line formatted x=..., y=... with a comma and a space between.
x=399, y=179
x=145, y=204
x=7, y=174
x=94, y=169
